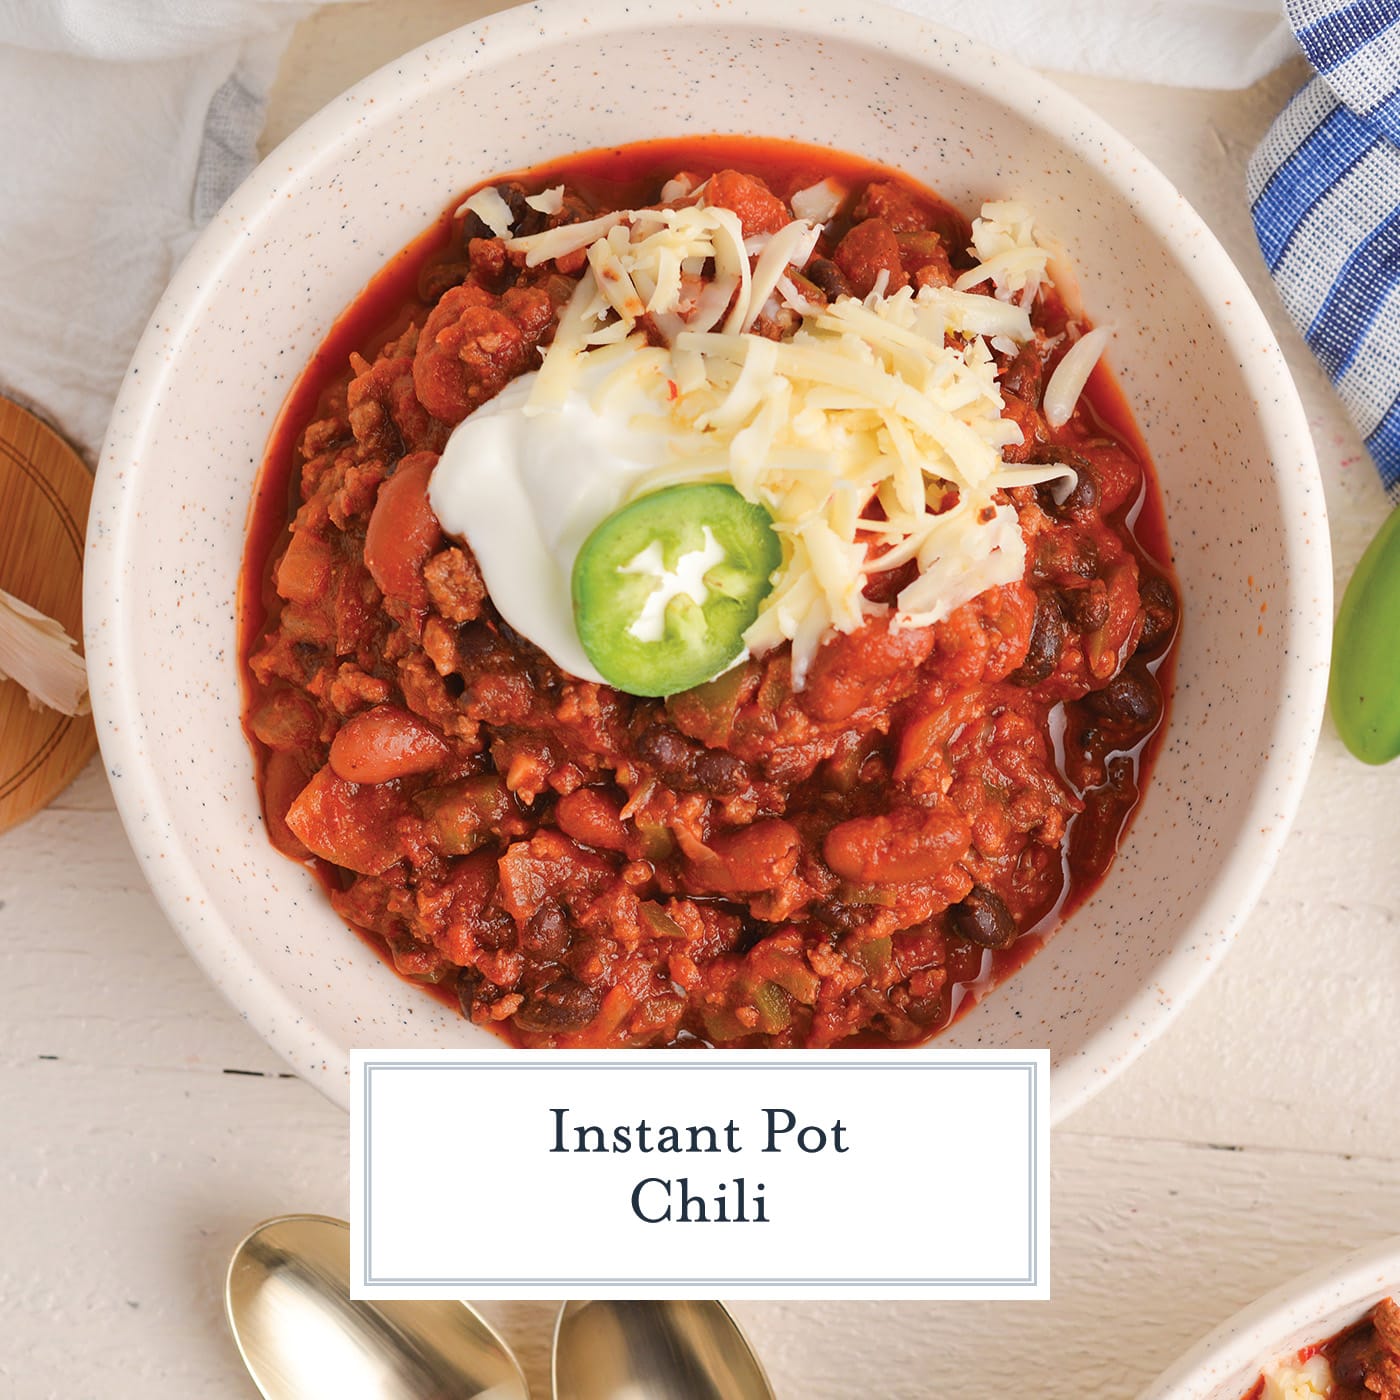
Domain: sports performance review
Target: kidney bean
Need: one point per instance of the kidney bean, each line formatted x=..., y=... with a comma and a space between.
x=1131, y=698
x=909, y=843
x=403, y=531
x=1047, y=642
x=1159, y=607
x=384, y=743
x=558, y=1007
x=983, y=919
x=747, y=859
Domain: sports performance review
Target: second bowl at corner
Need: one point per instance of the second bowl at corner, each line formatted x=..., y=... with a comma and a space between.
x=1225, y=1364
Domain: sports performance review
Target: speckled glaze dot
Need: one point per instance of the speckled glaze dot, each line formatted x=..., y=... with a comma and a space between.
x=1224, y=1365
x=358, y=181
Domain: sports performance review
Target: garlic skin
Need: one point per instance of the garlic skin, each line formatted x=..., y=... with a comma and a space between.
x=36, y=652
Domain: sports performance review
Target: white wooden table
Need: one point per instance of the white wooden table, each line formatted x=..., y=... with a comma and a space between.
x=144, y=1127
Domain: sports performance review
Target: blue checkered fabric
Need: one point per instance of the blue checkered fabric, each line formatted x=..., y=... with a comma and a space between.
x=1324, y=189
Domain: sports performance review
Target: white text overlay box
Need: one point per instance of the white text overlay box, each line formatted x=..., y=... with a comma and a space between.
x=760, y=1174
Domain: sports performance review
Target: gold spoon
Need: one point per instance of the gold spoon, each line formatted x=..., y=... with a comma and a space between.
x=654, y=1351
x=301, y=1337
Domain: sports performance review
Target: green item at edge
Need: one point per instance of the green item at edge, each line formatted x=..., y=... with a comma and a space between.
x=1365, y=686
x=698, y=640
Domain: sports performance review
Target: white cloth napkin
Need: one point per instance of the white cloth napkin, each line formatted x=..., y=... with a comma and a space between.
x=127, y=123
x=1188, y=43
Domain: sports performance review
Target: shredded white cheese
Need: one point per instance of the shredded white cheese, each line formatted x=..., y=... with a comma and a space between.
x=547, y=201
x=1003, y=238
x=36, y=652
x=1071, y=375
x=873, y=435
x=488, y=206
x=817, y=203
x=1312, y=1380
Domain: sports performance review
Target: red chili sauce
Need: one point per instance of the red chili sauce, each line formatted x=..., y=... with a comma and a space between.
x=743, y=864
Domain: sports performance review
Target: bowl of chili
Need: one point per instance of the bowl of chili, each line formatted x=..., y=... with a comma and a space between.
x=1329, y=1313
x=263, y=294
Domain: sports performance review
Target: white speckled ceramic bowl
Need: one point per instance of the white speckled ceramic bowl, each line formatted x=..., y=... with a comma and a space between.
x=358, y=181
x=1224, y=1365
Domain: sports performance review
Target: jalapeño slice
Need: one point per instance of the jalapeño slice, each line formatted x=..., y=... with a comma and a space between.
x=664, y=589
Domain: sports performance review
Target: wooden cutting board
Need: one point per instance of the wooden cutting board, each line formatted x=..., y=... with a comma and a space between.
x=44, y=495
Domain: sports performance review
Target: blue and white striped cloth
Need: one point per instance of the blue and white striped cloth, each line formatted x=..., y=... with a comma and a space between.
x=1324, y=188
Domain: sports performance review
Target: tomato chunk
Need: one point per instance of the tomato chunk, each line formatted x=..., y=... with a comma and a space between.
x=349, y=825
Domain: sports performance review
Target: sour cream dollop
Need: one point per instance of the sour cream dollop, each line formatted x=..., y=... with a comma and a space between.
x=525, y=489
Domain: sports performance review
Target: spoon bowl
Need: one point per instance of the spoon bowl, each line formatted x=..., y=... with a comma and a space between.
x=654, y=1350
x=302, y=1337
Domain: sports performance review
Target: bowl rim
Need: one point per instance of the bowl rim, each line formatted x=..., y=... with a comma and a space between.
x=1357, y=1280
x=173, y=876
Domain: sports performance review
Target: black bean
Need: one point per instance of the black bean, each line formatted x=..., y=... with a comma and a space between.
x=1047, y=642
x=1132, y=698
x=665, y=749
x=1084, y=496
x=925, y=1010
x=828, y=277
x=514, y=196
x=1086, y=607
x=1159, y=608
x=1085, y=493
x=720, y=774
x=473, y=226
x=983, y=919
x=559, y=1007
x=546, y=933
x=1061, y=555
x=468, y=978
x=1022, y=377
x=474, y=991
